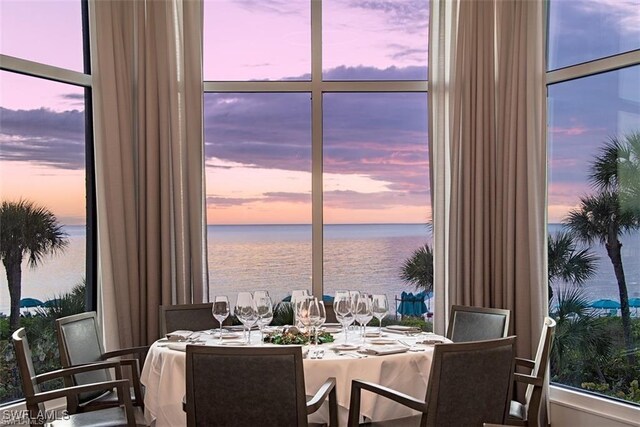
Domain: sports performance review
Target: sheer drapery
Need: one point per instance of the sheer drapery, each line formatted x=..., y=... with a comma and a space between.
x=489, y=159
x=149, y=162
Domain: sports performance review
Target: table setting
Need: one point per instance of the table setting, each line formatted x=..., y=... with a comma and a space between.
x=398, y=357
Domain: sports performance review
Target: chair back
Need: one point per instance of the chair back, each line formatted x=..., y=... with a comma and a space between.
x=330, y=312
x=192, y=317
x=470, y=383
x=477, y=323
x=533, y=394
x=245, y=386
x=79, y=343
x=27, y=372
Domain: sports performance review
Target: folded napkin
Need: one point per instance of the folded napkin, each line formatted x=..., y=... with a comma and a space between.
x=179, y=335
x=383, y=350
x=434, y=339
x=400, y=329
x=181, y=346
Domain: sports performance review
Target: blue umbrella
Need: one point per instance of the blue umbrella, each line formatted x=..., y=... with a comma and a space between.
x=51, y=303
x=30, y=302
x=634, y=302
x=605, y=303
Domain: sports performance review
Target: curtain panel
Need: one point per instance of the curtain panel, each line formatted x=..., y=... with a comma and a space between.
x=487, y=124
x=149, y=162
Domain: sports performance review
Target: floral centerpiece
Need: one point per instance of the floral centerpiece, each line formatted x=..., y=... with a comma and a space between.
x=293, y=336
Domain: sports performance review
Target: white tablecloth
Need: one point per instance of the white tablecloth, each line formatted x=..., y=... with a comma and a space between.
x=164, y=379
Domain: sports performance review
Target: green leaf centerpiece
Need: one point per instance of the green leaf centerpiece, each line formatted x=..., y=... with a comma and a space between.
x=293, y=336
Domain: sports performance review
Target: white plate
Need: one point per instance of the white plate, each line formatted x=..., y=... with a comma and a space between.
x=227, y=336
x=332, y=329
x=375, y=335
x=382, y=341
x=345, y=347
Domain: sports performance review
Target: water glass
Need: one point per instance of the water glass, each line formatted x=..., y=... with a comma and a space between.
x=380, y=308
x=363, y=313
x=246, y=312
x=220, y=310
x=343, y=307
x=317, y=316
x=297, y=295
x=264, y=308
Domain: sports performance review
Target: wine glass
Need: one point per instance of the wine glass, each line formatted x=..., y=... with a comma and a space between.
x=264, y=308
x=344, y=311
x=297, y=295
x=363, y=312
x=380, y=308
x=220, y=311
x=302, y=311
x=246, y=312
x=317, y=316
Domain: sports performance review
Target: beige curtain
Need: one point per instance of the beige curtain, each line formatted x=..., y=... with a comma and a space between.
x=149, y=162
x=487, y=95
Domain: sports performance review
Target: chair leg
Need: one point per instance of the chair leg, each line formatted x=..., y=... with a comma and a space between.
x=333, y=408
x=354, y=405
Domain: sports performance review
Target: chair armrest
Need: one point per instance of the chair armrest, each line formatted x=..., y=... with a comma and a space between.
x=528, y=379
x=525, y=362
x=125, y=351
x=326, y=389
x=356, y=391
x=72, y=370
x=396, y=396
x=321, y=395
x=121, y=385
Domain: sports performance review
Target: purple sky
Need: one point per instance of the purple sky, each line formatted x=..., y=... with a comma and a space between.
x=258, y=146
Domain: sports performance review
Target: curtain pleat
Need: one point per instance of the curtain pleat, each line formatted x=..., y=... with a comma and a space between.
x=488, y=148
x=149, y=162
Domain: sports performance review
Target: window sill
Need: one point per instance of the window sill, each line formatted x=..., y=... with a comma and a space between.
x=595, y=405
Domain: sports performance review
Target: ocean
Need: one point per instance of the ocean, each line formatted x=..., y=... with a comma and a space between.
x=278, y=258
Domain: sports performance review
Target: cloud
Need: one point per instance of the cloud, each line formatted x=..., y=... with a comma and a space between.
x=225, y=202
x=409, y=16
x=381, y=200
x=43, y=136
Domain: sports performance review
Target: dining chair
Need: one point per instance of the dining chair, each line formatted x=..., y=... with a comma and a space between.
x=330, y=312
x=469, y=383
x=80, y=342
x=236, y=386
x=528, y=413
x=121, y=414
x=477, y=323
x=192, y=317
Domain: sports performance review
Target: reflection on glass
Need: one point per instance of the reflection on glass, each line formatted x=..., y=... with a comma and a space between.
x=594, y=229
x=584, y=30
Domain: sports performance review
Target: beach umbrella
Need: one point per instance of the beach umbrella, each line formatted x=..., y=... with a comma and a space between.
x=634, y=302
x=30, y=302
x=51, y=303
x=605, y=303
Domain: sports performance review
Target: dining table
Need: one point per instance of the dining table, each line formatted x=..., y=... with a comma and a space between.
x=399, y=358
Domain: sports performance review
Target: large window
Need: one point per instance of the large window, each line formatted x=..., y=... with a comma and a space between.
x=316, y=144
x=45, y=178
x=594, y=197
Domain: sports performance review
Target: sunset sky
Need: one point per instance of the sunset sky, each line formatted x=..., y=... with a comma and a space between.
x=258, y=146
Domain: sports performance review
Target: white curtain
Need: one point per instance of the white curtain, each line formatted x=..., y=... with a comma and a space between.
x=487, y=135
x=149, y=162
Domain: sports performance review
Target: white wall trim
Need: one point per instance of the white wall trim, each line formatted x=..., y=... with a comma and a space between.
x=600, y=406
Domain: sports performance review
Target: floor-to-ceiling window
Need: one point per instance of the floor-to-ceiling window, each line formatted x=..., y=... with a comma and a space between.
x=45, y=176
x=594, y=197
x=316, y=145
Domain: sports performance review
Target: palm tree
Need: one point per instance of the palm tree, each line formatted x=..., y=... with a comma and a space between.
x=566, y=262
x=418, y=269
x=612, y=211
x=26, y=230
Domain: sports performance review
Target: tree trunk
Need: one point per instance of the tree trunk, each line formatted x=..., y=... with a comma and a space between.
x=613, y=250
x=14, y=282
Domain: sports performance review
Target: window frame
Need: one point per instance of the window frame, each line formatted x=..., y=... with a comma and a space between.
x=317, y=87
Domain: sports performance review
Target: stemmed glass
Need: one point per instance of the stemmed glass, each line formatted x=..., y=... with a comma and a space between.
x=380, y=308
x=220, y=311
x=363, y=312
x=317, y=316
x=264, y=308
x=246, y=312
x=302, y=312
x=297, y=296
x=343, y=307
